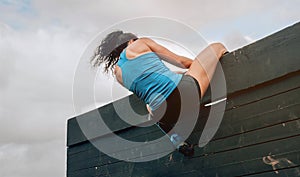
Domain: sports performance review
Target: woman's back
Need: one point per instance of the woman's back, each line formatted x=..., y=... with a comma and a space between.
x=148, y=77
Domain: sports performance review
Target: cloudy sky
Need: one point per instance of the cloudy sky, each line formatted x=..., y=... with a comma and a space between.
x=41, y=42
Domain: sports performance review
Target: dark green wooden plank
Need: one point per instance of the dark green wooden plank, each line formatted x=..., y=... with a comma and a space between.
x=83, y=164
x=192, y=173
x=88, y=123
x=288, y=83
x=260, y=121
x=251, y=138
x=260, y=136
x=74, y=133
x=74, y=125
x=265, y=112
x=234, y=118
x=130, y=171
x=256, y=165
x=279, y=110
x=266, y=59
x=150, y=168
x=285, y=172
x=235, y=141
x=232, y=163
x=80, y=148
x=89, y=172
x=84, y=157
x=134, y=134
x=265, y=119
x=279, y=116
x=288, y=126
x=81, y=159
x=208, y=166
x=279, y=147
x=267, y=89
x=184, y=165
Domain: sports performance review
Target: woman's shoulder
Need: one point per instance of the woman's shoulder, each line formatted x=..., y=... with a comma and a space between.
x=146, y=40
x=142, y=42
x=137, y=48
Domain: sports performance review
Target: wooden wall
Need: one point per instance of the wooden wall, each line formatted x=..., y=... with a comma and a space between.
x=259, y=134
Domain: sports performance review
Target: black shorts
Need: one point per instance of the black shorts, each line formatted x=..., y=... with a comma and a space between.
x=183, y=103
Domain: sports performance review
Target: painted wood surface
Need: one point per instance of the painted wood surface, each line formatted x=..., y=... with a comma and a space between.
x=259, y=134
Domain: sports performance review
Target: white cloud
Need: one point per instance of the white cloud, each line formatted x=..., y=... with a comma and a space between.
x=235, y=40
x=36, y=159
x=36, y=84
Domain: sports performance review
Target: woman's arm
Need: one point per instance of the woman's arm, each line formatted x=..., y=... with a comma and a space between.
x=167, y=55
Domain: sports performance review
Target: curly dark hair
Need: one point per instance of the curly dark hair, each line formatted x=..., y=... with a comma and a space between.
x=108, y=52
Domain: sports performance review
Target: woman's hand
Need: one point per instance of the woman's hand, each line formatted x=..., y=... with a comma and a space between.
x=186, y=62
x=149, y=109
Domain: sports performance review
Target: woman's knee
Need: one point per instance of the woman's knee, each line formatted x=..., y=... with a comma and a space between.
x=218, y=48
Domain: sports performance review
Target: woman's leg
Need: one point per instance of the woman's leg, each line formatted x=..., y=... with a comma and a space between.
x=204, y=65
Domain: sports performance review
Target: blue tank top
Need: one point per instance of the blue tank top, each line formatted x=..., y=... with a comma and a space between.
x=148, y=77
